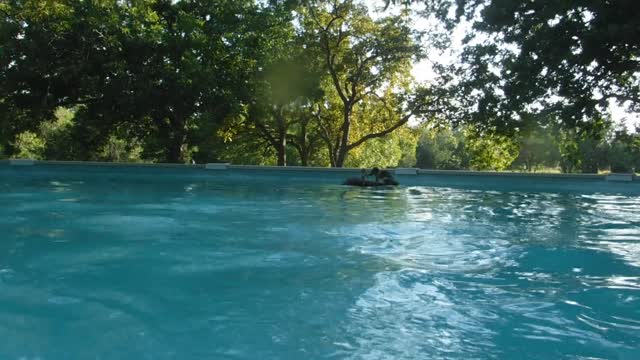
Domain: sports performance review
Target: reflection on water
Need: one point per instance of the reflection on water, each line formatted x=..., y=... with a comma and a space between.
x=221, y=269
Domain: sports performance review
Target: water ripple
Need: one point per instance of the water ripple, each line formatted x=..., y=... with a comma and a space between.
x=220, y=268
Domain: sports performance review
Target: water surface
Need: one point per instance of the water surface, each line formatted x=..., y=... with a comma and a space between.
x=223, y=267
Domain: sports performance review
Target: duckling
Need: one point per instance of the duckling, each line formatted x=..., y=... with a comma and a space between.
x=374, y=172
x=382, y=178
x=361, y=181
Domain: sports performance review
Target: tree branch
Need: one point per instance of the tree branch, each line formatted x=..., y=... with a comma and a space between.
x=6, y=13
x=325, y=134
x=382, y=133
x=265, y=131
x=66, y=103
x=329, y=56
x=330, y=59
x=292, y=140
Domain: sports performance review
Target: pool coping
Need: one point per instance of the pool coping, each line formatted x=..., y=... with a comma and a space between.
x=615, y=177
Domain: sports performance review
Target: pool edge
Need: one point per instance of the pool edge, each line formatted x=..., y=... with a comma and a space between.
x=402, y=172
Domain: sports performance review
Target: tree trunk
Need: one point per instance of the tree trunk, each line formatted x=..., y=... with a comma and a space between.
x=340, y=158
x=304, y=151
x=343, y=147
x=304, y=158
x=332, y=159
x=304, y=148
x=177, y=142
x=282, y=151
x=281, y=140
x=175, y=153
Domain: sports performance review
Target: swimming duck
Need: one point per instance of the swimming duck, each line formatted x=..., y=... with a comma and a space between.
x=383, y=178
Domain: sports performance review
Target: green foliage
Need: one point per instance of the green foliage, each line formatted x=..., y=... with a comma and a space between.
x=442, y=148
x=317, y=83
x=490, y=151
x=448, y=149
x=285, y=89
x=593, y=155
x=236, y=144
x=29, y=146
x=571, y=57
x=149, y=66
x=367, y=62
x=395, y=150
x=569, y=152
x=620, y=158
x=57, y=135
x=584, y=149
x=408, y=142
x=634, y=147
x=537, y=149
x=119, y=150
x=624, y=151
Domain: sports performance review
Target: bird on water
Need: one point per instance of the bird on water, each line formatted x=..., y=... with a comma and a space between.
x=382, y=178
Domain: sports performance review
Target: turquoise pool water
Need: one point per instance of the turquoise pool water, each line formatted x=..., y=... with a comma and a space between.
x=141, y=265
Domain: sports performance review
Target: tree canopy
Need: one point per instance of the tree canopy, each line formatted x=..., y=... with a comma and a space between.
x=321, y=82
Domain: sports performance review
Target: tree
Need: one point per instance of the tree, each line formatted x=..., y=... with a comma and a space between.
x=464, y=148
x=158, y=68
x=367, y=62
x=198, y=60
x=565, y=58
x=307, y=139
x=537, y=147
x=584, y=149
x=57, y=134
x=393, y=150
x=29, y=146
x=287, y=83
x=490, y=151
x=119, y=150
x=442, y=148
x=54, y=54
x=624, y=151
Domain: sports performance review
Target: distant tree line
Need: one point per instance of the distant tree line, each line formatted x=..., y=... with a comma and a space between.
x=610, y=148
x=319, y=82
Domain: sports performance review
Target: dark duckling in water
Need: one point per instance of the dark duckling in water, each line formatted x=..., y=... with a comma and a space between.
x=383, y=178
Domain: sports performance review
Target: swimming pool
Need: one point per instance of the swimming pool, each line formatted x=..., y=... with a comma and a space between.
x=142, y=264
